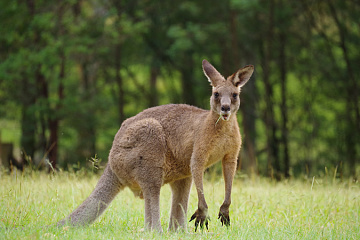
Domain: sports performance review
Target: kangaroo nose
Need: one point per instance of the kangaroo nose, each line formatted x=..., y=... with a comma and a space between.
x=225, y=108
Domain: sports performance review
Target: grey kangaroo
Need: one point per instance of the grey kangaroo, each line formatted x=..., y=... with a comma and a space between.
x=173, y=144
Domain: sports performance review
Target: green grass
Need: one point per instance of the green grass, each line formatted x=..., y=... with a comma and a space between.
x=260, y=209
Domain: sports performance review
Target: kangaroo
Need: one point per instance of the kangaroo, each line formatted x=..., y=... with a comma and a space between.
x=173, y=144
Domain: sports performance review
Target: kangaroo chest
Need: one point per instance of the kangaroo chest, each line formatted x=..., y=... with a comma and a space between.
x=227, y=144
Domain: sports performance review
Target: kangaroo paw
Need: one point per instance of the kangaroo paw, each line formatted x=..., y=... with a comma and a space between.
x=200, y=218
x=224, y=218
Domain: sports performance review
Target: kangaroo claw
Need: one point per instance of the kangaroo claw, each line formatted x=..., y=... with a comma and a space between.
x=225, y=219
x=200, y=219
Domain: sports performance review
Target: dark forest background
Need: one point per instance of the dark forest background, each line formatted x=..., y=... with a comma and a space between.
x=72, y=70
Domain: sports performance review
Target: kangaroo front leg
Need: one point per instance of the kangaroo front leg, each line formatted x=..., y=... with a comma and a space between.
x=229, y=168
x=201, y=214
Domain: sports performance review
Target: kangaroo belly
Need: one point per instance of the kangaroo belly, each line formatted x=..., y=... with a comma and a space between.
x=175, y=169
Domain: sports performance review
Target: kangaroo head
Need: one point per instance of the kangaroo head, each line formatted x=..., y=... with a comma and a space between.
x=225, y=99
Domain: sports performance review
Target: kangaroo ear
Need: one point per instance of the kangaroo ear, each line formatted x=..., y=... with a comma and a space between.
x=242, y=76
x=211, y=73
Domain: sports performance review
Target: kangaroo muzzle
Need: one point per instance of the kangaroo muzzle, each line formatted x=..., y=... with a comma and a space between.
x=225, y=112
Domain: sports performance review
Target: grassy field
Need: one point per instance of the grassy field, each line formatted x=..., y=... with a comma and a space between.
x=308, y=209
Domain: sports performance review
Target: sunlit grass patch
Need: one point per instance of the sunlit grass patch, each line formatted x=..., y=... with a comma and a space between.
x=261, y=209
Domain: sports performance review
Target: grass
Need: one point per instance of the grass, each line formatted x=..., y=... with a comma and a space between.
x=261, y=209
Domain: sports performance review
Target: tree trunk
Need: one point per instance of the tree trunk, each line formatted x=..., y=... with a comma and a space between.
x=28, y=118
x=44, y=112
x=54, y=119
x=28, y=125
x=352, y=99
x=53, y=144
x=284, y=114
x=271, y=128
x=283, y=81
x=87, y=133
x=187, y=79
x=118, y=4
x=247, y=109
x=119, y=82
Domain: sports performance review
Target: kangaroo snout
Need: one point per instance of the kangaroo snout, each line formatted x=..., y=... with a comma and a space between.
x=225, y=108
x=225, y=112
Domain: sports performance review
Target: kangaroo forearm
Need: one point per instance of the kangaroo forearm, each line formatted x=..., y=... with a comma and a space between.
x=197, y=171
x=202, y=205
x=229, y=169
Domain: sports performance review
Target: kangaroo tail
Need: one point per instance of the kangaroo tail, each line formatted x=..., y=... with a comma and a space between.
x=105, y=191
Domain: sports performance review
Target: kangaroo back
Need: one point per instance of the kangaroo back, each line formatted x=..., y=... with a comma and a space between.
x=104, y=192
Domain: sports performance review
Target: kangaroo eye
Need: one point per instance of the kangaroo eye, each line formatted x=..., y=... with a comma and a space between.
x=216, y=94
x=235, y=95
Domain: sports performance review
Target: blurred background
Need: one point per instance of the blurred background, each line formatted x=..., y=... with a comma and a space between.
x=72, y=70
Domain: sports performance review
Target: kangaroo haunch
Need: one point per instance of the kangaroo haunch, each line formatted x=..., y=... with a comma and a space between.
x=173, y=144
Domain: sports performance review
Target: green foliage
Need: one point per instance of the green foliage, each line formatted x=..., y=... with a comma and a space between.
x=88, y=65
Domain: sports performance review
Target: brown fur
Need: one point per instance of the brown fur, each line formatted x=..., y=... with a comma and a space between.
x=173, y=144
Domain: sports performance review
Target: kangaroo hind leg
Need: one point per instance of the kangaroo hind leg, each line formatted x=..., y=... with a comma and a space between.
x=150, y=179
x=152, y=207
x=146, y=159
x=180, y=198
